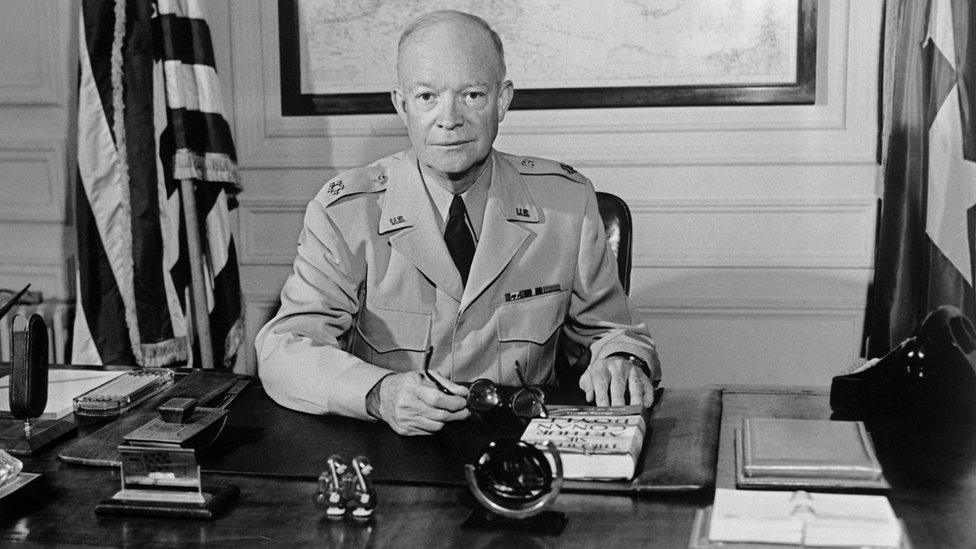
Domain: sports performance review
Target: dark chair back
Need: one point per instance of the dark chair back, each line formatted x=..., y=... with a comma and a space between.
x=619, y=228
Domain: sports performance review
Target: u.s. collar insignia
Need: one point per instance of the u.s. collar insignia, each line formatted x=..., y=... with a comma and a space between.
x=522, y=212
x=397, y=220
x=335, y=187
x=528, y=163
x=569, y=169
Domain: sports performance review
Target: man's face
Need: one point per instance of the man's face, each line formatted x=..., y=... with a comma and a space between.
x=451, y=98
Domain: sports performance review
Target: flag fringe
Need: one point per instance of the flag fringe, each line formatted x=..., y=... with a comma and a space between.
x=209, y=167
x=118, y=100
x=118, y=127
x=164, y=353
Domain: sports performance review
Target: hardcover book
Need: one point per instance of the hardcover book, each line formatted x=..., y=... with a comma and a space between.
x=806, y=453
x=594, y=443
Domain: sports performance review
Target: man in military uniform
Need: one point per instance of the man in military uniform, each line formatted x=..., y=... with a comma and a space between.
x=450, y=253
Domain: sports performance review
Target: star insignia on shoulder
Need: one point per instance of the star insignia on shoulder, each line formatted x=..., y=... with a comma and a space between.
x=335, y=187
x=567, y=168
x=528, y=163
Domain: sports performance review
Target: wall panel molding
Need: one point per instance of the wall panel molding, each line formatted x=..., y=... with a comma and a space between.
x=754, y=226
x=839, y=128
x=44, y=274
x=783, y=233
x=33, y=176
x=259, y=308
x=269, y=230
x=39, y=59
x=774, y=347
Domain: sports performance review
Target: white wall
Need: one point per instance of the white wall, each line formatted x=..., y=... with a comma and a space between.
x=754, y=225
x=37, y=68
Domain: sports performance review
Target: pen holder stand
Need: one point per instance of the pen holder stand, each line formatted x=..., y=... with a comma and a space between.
x=160, y=473
x=165, y=482
x=28, y=391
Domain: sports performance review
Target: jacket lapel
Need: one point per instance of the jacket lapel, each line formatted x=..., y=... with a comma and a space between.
x=408, y=211
x=502, y=234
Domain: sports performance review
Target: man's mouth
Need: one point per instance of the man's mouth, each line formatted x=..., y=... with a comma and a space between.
x=450, y=143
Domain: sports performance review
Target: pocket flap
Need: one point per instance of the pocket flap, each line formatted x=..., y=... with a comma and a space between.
x=533, y=319
x=388, y=330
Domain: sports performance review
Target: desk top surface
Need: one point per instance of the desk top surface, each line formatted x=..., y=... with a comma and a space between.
x=932, y=471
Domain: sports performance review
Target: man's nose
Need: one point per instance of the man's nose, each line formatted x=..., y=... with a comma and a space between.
x=449, y=116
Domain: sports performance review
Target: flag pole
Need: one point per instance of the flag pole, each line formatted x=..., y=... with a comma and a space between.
x=198, y=296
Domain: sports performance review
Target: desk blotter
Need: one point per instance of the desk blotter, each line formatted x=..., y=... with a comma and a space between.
x=263, y=438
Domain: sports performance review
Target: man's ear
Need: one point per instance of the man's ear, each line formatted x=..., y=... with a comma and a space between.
x=399, y=103
x=505, y=95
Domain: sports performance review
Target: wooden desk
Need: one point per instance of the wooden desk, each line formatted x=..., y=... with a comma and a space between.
x=937, y=501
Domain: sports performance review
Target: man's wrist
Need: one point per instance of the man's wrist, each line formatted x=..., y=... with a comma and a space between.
x=373, y=400
x=637, y=361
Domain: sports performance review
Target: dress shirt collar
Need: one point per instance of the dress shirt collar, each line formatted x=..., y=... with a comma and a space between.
x=475, y=199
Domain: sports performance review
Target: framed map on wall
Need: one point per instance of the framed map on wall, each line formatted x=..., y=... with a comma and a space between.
x=338, y=56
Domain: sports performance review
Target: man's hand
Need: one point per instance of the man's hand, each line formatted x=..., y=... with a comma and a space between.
x=608, y=381
x=411, y=405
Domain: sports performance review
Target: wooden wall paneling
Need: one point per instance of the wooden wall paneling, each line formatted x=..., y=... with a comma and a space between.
x=32, y=180
x=32, y=57
x=754, y=225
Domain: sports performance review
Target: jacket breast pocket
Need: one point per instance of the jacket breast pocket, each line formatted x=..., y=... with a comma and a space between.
x=528, y=331
x=391, y=338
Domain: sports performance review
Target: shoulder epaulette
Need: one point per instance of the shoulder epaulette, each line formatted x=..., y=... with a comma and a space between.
x=367, y=179
x=531, y=165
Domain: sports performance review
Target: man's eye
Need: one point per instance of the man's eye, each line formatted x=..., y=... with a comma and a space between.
x=475, y=95
x=425, y=96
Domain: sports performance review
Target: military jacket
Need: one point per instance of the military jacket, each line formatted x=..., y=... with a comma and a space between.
x=374, y=286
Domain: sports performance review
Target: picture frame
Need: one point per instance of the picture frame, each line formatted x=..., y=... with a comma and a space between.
x=801, y=90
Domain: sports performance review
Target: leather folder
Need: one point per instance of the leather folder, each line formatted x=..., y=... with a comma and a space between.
x=806, y=453
x=263, y=438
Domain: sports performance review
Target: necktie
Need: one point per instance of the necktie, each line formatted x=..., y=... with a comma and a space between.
x=458, y=238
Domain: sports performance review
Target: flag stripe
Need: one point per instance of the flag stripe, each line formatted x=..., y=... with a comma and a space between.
x=180, y=8
x=192, y=87
x=140, y=144
x=184, y=39
x=96, y=34
x=199, y=143
x=99, y=295
x=106, y=188
x=926, y=234
x=132, y=272
x=964, y=18
x=199, y=131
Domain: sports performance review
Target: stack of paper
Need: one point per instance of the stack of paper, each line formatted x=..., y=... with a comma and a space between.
x=804, y=519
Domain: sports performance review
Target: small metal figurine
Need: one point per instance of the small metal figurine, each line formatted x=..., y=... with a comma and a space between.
x=331, y=491
x=342, y=487
x=363, y=494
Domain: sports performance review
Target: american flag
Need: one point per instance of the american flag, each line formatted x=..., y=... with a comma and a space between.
x=150, y=114
x=926, y=254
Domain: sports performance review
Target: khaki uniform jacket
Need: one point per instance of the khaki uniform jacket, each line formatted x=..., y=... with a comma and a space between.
x=374, y=286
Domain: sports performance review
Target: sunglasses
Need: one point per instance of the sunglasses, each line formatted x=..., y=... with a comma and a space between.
x=485, y=395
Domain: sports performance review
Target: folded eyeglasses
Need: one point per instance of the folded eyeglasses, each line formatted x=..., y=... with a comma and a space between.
x=484, y=395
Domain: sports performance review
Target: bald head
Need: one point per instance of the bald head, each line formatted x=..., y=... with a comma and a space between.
x=442, y=26
x=451, y=95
